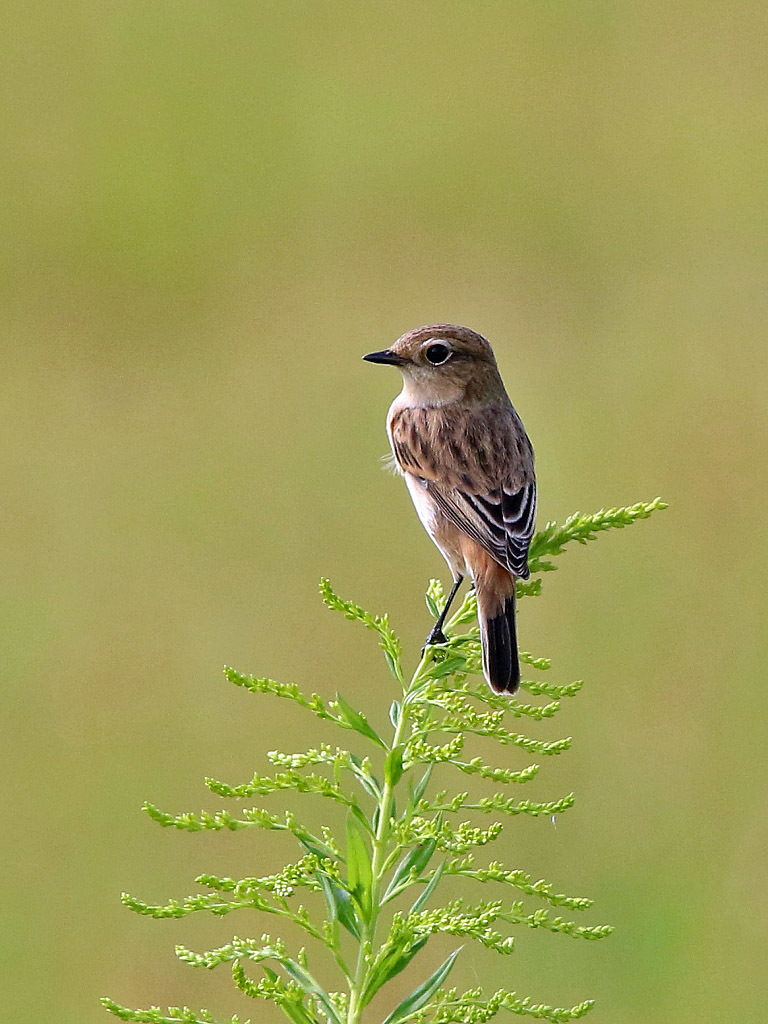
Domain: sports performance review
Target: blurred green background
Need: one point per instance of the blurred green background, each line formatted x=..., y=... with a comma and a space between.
x=210, y=211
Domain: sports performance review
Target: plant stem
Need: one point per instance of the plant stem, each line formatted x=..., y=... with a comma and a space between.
x=379, y=858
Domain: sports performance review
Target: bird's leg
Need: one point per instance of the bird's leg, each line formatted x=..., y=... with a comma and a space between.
x=436, y=635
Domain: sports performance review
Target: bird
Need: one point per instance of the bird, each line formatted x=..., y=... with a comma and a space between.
x=468, y=465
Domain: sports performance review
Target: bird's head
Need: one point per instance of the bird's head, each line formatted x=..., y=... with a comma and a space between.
x=443, y=363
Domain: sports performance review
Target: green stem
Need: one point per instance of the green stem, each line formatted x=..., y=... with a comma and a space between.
x=380, y=859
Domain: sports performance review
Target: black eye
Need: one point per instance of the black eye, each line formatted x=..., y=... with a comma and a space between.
x=438, y=354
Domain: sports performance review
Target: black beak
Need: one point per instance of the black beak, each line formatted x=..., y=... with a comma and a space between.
x=385, y=356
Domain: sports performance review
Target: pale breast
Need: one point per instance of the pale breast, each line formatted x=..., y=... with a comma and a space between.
x=426, y=509
x=442, y=531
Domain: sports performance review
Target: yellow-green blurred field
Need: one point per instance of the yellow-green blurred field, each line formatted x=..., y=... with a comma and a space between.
x=209, y=212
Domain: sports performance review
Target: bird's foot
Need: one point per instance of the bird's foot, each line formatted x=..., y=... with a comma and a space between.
x=436, y=636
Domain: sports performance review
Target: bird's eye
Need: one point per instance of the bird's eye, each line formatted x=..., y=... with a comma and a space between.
x=438, y=354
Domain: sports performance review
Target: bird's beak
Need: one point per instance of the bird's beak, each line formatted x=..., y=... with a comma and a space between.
x=385, y=356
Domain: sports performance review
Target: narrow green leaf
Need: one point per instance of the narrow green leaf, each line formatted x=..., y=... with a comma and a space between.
x=296, y=1013
x=359, y=873
x=421, y=995
x=368, y=781
x=392, y=963
x=446, y=666
x=413, y=863
x=340, y=905
x=357, y=721
x=308, y=984
x=394, y=713
x=360, y=815
x=421, y=786
x=393, y=768
x=392, y=664
x=430, y=887
x=293, y=1010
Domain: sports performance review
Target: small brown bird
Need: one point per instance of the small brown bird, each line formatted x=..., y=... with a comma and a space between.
x=468, y=465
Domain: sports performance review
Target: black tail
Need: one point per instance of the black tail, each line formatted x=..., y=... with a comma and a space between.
x=499, y=642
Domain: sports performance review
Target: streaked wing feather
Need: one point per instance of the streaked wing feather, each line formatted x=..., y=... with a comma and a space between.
x=456, y=507
x=519, y=511
x=501, y=522
x=479, y=473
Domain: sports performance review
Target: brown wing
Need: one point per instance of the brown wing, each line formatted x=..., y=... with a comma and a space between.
x=478, y=467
